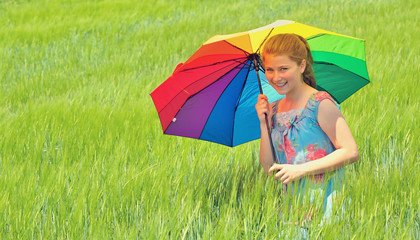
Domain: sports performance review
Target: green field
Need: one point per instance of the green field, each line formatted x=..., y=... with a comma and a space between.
x=82, y=154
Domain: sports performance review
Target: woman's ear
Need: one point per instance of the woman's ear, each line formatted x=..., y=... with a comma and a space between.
x=302, y=66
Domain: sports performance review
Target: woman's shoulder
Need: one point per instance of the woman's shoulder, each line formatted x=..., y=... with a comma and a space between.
x=317, y=97
x=322, y=95
x=315, y=101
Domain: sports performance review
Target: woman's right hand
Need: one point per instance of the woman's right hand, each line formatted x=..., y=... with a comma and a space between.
x=263, y=108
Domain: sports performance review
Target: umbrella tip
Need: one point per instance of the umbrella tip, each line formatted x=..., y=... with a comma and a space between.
x=178, y=67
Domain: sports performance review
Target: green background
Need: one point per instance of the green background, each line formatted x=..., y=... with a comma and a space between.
x=82, y=154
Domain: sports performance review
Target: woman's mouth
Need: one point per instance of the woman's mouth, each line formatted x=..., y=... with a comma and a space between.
x=282, y=84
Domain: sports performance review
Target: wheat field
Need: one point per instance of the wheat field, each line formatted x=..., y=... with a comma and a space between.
x=83, y=156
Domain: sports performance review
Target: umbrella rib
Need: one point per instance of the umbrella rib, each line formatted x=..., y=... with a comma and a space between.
x=246, y=53
x=315, y=36
x=265, y=39
x=327, y=63
x=209, y=65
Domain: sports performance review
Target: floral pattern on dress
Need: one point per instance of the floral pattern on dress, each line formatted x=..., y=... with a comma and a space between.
x=289, y=150
x=299, y=138
x=313, y=154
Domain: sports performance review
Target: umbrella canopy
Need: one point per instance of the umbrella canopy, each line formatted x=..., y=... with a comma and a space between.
x=212, y=95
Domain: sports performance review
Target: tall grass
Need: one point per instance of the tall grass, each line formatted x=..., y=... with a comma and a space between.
x=82, y=154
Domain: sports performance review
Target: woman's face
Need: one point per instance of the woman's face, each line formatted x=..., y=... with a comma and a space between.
x=282, y=73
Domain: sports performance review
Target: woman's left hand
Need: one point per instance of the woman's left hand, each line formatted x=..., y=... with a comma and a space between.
x=288, y=173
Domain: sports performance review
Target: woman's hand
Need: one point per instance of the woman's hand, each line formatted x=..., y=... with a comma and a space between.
x=288, y=173
x=263, y=108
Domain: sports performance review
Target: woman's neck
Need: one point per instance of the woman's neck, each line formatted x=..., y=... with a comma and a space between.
x=298, y=98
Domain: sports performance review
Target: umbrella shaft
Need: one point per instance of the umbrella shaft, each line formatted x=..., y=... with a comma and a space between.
x=273, y=153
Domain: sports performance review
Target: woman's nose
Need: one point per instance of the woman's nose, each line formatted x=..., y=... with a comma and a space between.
x=277, y=76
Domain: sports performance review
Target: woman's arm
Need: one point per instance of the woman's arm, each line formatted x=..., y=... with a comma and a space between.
x=333, y=124
x=266, y=156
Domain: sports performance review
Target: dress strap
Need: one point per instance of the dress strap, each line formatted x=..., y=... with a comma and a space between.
x=311, y=109
x=321, y=95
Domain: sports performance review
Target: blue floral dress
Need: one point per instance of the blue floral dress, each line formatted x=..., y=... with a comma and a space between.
x=298, y=138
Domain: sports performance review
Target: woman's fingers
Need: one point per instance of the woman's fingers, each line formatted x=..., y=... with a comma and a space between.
x=262, y=103
x=285, y=180
x=262, y=97
x=275, y=166
x=282, y=174
x=284, y=177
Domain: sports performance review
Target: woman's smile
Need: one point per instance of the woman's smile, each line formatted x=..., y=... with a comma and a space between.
x=281, y=84
x=282, y=73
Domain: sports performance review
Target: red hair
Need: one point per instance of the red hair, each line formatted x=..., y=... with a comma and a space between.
x=296, y=48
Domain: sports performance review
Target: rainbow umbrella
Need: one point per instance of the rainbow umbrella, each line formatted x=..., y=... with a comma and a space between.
x=212, y=95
